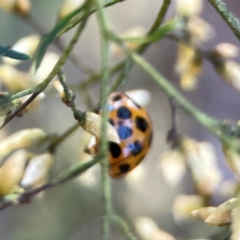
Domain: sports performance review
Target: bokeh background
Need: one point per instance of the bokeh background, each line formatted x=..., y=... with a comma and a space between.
x=74, y=210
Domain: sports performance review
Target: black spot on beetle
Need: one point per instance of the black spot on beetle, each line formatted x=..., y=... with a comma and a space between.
x=124, y=132
x=124, y=168
x=141, y=123
x=115, y=149
x=150, y=139
x=124, y=113
x=110, y=120
x=135, y=147
x=116, y=98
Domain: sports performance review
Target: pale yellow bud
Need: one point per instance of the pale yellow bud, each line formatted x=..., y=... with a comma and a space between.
x=200, y=30
x=236, y=221
x=184, y=205
x=189, y=8
x=12, y=172
x=21, y=7
x=148, y=230
x=58, y=86
x=202, y=161
x=13, y=79
x=172, y=167
x=37, y=170
x=226, y=50
x=188, y=82
x=233, y=159
x=49, y=61
x=69, y=6
x=22, y=139
x=26, y=45
x=230, y=71
x=218, y=216
x=92, y=125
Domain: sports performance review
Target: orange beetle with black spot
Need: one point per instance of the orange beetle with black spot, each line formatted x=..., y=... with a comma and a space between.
x=134, y=128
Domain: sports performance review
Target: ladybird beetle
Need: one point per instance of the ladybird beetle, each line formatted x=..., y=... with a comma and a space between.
x=134, y=128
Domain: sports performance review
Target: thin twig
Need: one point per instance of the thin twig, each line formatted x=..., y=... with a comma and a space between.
x=232, y=21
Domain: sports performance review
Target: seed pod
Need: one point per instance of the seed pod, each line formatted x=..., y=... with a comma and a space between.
x=37, y=171
x=22, y=139
x=93, y=126
x=12, y=171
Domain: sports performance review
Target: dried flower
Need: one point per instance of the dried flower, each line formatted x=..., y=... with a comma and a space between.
x=218, y=216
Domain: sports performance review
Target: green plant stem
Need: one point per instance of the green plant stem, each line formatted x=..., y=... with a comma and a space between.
x=106, y=183
x=232, y=21
x=118, y=221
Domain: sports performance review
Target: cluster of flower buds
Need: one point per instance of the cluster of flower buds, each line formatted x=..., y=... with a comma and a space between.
x=195, y=32
x=20, y=167
x=199, y=157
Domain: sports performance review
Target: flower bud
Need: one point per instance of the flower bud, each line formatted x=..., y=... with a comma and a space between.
x=225, y=50
x=140, y=96
x=13, y=79
x=189, y=8
x=92, y=125
x=148, y=230
x=22, y=139
x=11, y=172
x=172, y=167
x=21, y=7
x=69, y=6
x=184, y=205
x=37, y=170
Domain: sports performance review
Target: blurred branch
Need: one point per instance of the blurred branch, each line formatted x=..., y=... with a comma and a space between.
x=232, y=21
x=118, y=221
